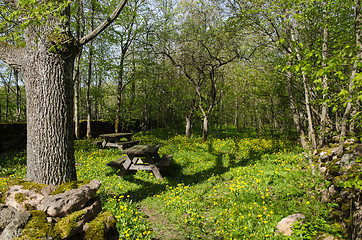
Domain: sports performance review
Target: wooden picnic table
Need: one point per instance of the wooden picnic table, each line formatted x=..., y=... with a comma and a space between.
x=115, y=140
x=142, y=157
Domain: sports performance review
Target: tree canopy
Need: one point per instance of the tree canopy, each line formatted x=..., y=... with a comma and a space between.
x=282, y=69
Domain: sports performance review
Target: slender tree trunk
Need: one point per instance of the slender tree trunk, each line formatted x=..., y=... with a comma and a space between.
x=18, y=95
x=88, y=85
x=119, y=94
x=188, y=126
x=76, y=95
x=311, y=133
x=293, y=109
x=322, y=142
x=205, y=130
x=347, y=111
x=76, y=79
x=7, y=87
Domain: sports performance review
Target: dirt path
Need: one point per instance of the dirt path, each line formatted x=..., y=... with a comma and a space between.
x=161, y=226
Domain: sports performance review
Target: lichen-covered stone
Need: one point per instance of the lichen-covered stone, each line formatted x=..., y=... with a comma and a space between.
x=285, y=225
x=7, y=214
x=22, y=199
x=15, y=227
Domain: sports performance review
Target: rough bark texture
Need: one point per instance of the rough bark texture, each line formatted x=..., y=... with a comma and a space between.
x=321, y=142
x=358, y=19
x=188, y=126
x=49, y=95
x=46, y=65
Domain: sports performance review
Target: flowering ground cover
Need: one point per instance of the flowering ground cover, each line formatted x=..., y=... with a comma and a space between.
x=224, y=188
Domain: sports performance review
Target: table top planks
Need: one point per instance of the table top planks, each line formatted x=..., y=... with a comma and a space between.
x=115, y=135
x=142, y=150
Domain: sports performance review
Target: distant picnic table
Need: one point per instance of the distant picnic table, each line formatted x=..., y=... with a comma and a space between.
x=118, y=140
x=142, y=157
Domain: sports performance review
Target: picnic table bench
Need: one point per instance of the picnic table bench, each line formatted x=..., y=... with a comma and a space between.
x=115, y=140
x=142, y=157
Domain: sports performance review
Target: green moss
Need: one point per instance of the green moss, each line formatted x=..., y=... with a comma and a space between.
x=38, y=228
x=67, y=224
x=97, y=227
x=70, y=185
x=62, y=42
x=20, y=197
x=37, y=187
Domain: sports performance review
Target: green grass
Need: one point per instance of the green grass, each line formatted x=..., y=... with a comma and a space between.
x=229, y=188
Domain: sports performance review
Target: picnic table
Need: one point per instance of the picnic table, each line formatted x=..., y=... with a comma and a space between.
x=142, y=157
x=117, y=140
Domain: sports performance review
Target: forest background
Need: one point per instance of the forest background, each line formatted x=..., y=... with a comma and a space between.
x=283, y=69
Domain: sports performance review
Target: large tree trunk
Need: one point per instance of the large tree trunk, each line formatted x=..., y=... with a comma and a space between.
x=46, y=65
x=49, y=95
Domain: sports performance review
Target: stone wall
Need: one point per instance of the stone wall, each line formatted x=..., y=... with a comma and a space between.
x=344, y=175
x=70, y=211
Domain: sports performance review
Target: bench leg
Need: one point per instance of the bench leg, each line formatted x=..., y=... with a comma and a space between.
x=156, y=172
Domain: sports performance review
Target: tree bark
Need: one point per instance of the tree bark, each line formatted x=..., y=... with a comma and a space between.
x=347, y=111
x=293, y=109
x=322, y=142
x=89, y=79
x=311, y=133
x=88, y=99
x=46, y=65
x=18, y=95
x=188, y=126
x=76, y=96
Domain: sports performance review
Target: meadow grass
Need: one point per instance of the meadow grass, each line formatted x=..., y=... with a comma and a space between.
x=223, y=188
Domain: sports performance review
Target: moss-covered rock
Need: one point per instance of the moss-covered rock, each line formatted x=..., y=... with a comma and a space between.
x=38, y=228
x=67, y=225
x=98, y=228
x=36, y=187
x=69, y=185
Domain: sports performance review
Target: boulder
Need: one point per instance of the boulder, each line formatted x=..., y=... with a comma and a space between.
x=347, y=160
x=22, y=199
x=60, y=205
x=73, y=224
x=102, y=227
x=7, y=214
x=358, y=150
x=285, y=225
x=15, y=227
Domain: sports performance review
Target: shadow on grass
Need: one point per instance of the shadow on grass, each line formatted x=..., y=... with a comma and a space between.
x=9, y=162
x=175, y=175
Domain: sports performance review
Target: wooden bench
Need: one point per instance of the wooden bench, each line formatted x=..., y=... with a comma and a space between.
x=122, y=145
x=98, y=142
x=165, y=161
x=118, y=163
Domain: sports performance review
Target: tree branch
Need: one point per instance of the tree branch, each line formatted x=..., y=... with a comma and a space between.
x=103, y=25
x=11, y=55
